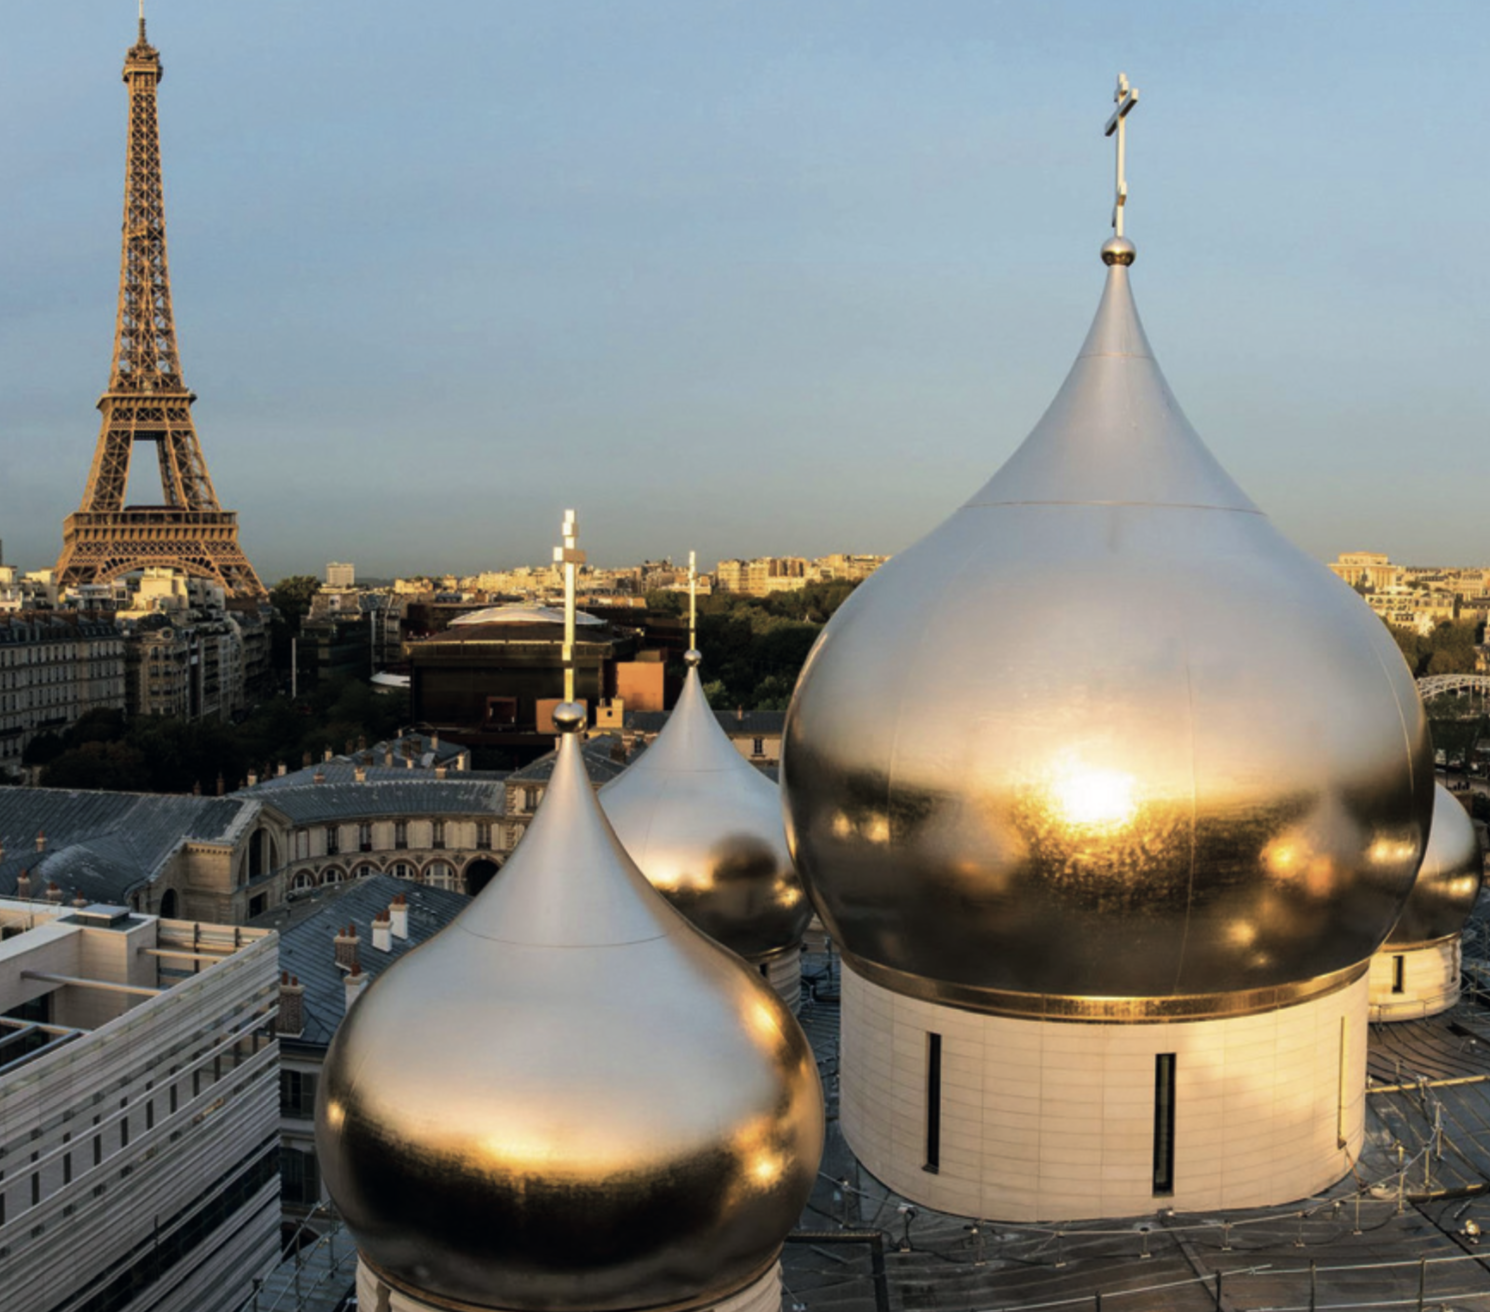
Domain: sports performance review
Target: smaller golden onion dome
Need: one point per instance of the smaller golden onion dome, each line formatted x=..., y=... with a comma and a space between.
x=705, y=826
x=1448, y=881
x=570, y=1099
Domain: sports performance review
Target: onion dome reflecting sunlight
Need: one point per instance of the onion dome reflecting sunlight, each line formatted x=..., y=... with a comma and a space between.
x=1448, y=881
x=705, y=827
x=569, y=1099
x=1106, y=739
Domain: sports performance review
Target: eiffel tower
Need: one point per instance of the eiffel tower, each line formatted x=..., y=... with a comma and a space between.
x=147, y=401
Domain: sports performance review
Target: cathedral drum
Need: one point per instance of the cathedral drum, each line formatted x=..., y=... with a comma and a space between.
x=1108, y=795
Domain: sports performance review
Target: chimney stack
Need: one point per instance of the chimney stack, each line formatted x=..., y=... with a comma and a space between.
x=360, y=774
x=281, y=770
x=398, y=916
x=439, y=772
x=78, y=900
x=346, y=947
x=434, y=742
x=319, y=777
x=356, y=981
x=23, y=884
x=291, y=1019
x=41, y=840
x=388, y=757
x=54, y=891
x=253, y=778
x=326, y=754
x=382, y=932
x=460, y=761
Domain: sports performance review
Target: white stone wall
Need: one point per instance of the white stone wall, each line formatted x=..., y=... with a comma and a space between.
x=374, y=1295
x=783, y=973
x=1050, y=1120
x=1430, y=980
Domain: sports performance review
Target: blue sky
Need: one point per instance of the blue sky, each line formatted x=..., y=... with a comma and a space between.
x=747, y=277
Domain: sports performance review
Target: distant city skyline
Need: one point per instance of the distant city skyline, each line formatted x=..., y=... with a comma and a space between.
x=747, y=280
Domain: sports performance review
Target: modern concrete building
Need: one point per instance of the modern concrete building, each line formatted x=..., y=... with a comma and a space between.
x=139, y=1134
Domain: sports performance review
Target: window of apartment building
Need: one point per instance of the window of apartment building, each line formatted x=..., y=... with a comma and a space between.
x=364, y=837
x=530, y=799
x=758, y=747
x=438, y=836
x=299, y=1180
x=400, y=833
x=333, y=840
x=297, y=1094
x=483, y=835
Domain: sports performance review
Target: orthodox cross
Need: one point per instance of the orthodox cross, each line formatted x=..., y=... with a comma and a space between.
x=1126, y=98
x=571, y=558
x=692, y=601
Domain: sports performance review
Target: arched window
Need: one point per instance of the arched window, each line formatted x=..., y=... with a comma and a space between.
x=439, y=874
x=479, y=874
x=366, y=870
x=334, y=875
x=303, y=880
x=401, y=870
x=168, y=904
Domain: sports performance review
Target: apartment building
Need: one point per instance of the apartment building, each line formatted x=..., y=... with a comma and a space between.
x=55, y=666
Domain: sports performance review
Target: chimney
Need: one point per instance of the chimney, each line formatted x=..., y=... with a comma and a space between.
x=305, y=759
x=291, y=1019
x=346, y=947
x=360, y=774
x=54, y=891
x=439, y=772
x=221, y=786
x=253, y=778
x=196, y=788
x=281, y=769
x=326, y=754
x=382, y=932
x=388, y=757
x=319, y=777
x=398, y=916
x=434, y=742
x=740, y=714
x=460, y=761
x=361, y=742
x=356, y=981
x=78, y=900
x=41, y=840
x=408, y=762
x=23, y=884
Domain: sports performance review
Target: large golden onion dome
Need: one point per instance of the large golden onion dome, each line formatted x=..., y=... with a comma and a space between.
x=1448, y=881
x=569, y=1099
x=1105, y=741
x=705, y=827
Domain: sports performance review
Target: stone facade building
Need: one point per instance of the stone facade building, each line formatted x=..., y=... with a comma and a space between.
x=55, y=667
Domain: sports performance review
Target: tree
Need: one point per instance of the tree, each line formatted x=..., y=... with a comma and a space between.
x=291, y=597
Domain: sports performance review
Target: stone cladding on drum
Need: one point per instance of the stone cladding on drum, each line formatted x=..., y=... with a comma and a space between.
x=570, y=1100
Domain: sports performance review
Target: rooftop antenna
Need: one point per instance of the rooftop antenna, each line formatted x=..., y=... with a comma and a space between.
x=571, y=557
x=142, y=22
x=1126, y=98
x=692, y=601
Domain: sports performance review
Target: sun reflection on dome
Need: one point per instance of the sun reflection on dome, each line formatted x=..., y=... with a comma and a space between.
x=1089, y=798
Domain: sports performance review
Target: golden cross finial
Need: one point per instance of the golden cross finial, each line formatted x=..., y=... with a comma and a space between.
x=692, y=602
x=1126, y=98
x=571, y=558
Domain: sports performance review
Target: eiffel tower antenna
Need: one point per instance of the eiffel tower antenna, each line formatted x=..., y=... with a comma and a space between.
x=147, y=401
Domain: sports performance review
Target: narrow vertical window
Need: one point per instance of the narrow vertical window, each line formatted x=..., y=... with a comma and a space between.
x=1399, y=973
x=933, y=1103
x=1164, y=1123
x=1344, y=1092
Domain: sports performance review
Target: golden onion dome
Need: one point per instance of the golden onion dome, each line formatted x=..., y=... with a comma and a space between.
x=1448, y=881
x=705, y=827
x=570, y=1098
x=1105, y=741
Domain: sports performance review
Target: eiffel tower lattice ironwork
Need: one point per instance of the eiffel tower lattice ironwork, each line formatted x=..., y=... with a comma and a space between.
x=147, y=401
